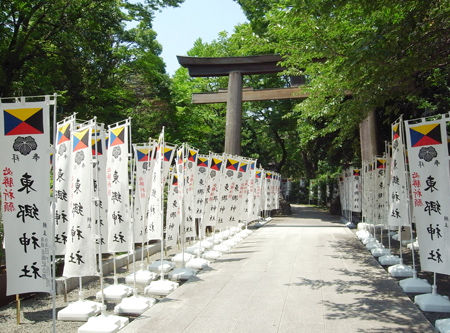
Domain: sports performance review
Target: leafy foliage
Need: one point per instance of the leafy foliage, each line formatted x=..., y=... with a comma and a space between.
x=101, y=56
x=392, y=56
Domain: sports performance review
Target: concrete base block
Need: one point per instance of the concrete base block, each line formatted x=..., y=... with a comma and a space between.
x=415, y=285
x=432, y=302
x=80, y=310
x=104, y=324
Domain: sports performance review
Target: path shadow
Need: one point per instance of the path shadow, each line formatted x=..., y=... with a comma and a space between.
x=230, y=259
x=367, y=293
x=238, y=252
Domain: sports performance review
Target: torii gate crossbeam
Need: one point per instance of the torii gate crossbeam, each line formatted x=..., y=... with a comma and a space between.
x=235, y=67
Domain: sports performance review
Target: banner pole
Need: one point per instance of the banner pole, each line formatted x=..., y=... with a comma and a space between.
x=18, y=309
x=183, y=224
x=408, y=201
x=114, y=268
x=54, y=218
x=97, y=213
x=434, y=288
x=133, y=198
x=65, y=290
x=161, y=152
x=80, y=290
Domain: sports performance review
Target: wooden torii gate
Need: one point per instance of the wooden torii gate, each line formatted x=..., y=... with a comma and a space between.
x=234, y=68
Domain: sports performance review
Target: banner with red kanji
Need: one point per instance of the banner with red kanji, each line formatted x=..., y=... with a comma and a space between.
x=429, y=174
x=25, y=188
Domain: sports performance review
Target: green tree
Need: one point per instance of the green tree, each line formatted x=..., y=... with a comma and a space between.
x=392, y=56
x=101, y=56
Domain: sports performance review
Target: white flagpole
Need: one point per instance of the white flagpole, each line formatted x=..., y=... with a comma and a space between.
x=183, y=233
x=408, y=187
x=161, y=152
x=54, y=219
x=133, y=198
x=96, y=217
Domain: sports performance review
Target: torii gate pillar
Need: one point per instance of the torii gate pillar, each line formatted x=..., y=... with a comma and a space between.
x=234, y=114
x=234, y=68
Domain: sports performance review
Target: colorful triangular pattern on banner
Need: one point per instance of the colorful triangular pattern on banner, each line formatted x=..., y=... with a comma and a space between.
x=80, y=140
x=175, y=180
x=96, y=144
x=268, y=175
x=202, y=161
x=425, y=135
x=23, y=121
x=243, y=167
x=179, y=156
x=63, y=133
x=232, y=164
x=258, y=174
x=252, y=166
x=356, y=172
x=216, y=164
x=167, y=153
x=381, y=163
x=142, y=154
x=395, y=132
x=117, y=136
x=192, y=155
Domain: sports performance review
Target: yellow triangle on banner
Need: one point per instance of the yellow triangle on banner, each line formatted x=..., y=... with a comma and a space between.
x=425, y=129
x=23, y=114
x=117, y=130
x=80, y=135
x=63, y=128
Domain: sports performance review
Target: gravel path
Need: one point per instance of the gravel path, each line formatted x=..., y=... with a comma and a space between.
x=36, y=311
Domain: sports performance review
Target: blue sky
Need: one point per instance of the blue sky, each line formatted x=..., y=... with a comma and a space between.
x=178, y=28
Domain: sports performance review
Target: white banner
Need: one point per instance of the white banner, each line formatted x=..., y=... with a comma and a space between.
x=429, y=175
x=155, y=197
x=229, y=193
x=142, y=155
x=381, y=186
x=267, y=191
x=180, y=169
x=258, y=193
x=356, y=190
x=189, y=193
x=63, y=148
x=398, y=189
x=248, y=216
x=200, y=185
x=169, y=152
x=173, y=217
x=276, y=189
x=25, y=142
x=212, y=190
x=117, y=183
x=100, y=212
x=80, y=253
x=242, y=201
